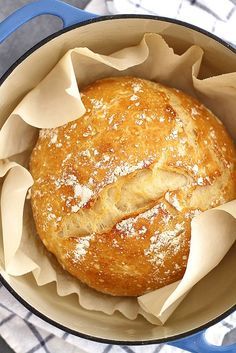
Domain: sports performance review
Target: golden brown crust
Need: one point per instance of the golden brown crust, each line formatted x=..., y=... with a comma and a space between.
x=116, y=189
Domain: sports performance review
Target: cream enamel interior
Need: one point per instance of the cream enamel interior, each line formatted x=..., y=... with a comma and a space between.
x=197, y=309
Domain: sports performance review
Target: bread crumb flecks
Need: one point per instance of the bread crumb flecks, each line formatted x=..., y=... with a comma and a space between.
x=81, y=192
x=127, y=226
x=162, y=240
x=81, y=249
x=173, y=200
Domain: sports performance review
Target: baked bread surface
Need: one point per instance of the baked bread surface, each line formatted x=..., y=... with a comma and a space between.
x=115, y=190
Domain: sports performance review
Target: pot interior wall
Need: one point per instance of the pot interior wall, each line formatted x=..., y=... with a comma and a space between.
x=198, y=308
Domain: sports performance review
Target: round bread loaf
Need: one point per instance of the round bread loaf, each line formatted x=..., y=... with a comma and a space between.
x=115, y=191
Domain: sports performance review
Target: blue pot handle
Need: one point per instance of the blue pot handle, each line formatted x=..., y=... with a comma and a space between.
x=69, y=14
x=198, y=344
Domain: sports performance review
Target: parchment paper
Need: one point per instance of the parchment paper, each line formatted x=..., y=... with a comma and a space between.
x=56, y=101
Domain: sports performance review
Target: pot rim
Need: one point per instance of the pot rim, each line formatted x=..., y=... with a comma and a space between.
x=8, y=286
x=112, y=17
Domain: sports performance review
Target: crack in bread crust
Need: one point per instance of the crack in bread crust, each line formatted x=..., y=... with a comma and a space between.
x=127, y=196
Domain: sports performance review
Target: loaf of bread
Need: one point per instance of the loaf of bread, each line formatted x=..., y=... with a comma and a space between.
x=115, y=191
